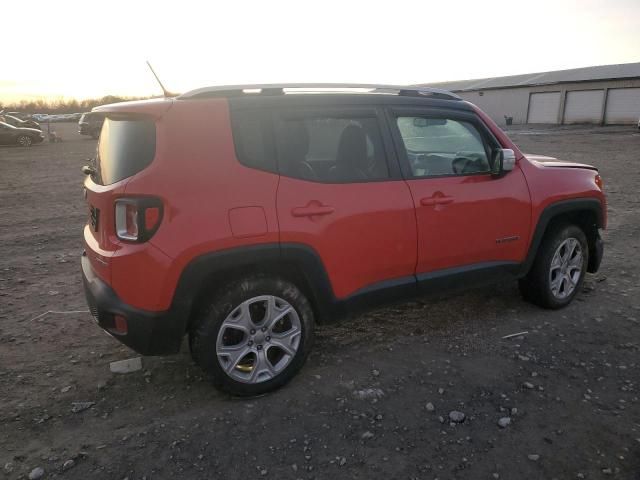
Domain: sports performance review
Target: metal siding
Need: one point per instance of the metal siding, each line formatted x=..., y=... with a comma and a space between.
x=500, y=103
x=584, y=106
x=623, y=106
x=543, y=107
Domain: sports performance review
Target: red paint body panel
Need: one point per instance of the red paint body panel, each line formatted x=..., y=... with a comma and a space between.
x=368, y=237
x=481, y=210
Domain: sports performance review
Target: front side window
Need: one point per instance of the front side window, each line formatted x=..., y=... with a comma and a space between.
x=331, y=149
x=442, y=146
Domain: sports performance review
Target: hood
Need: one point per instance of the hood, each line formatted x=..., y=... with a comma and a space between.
x=555, y=163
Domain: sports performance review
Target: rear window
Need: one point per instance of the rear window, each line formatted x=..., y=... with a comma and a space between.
x=126, y=147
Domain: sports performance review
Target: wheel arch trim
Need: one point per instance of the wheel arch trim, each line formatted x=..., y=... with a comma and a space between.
x=555, y=210
x=202, y=267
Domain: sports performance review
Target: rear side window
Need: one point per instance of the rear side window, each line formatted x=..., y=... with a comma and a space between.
x=126, y=147
x=331, y=149
x=252, y=139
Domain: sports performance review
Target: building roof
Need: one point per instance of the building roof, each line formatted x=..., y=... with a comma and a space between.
x=602, y=72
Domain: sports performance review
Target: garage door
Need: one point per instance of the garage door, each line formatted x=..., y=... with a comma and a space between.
x=623, y=105
x=583, y=106
x=543, y=107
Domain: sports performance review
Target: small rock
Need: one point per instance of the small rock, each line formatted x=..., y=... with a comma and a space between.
x=533, y=457
x=126, y=366
x=528, y=385
x=294, y=467
x=366, y=435
x=607, y=471
x=430, y=407
x=375, y=373
x=8, y=467
x=368, y=394
x=441, y=390
x=496, y=475
x=441, y=418
x=65, y=389
x=343, y=462
x=504, y=422
x=264, y=471
x=68, y=464
x=457, y=417
x=77, y=407
x=36, y=473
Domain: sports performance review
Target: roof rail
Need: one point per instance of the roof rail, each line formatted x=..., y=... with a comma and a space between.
x=330, y=88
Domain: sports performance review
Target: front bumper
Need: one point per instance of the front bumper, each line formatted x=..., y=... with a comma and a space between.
x=148, y=333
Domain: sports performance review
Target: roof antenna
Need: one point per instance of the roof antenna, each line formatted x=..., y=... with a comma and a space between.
x=166, y=92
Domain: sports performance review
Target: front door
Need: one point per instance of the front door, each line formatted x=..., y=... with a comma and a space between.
x=340, y=194
x=466, y=217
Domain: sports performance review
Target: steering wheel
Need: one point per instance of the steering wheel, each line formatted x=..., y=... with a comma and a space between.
x=467, y=162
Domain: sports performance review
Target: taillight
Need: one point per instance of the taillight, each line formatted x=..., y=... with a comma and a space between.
x=137, y=219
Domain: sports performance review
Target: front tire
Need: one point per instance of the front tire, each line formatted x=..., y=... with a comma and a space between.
x=559, y=268
x=254, y=335
x=24, y=140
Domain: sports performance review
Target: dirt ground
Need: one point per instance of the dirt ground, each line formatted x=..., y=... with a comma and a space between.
x=373, y=400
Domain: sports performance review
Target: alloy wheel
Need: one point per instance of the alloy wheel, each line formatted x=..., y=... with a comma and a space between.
x=258, y=339
x=566, y=268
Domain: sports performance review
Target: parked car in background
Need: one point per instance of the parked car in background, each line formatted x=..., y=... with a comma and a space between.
x=10, y=135
x=17, y=122
x=90, y=124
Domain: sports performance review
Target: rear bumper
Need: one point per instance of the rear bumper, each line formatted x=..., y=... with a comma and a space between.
x=148, y=333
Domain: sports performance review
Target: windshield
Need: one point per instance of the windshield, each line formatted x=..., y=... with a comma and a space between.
x=126, y=147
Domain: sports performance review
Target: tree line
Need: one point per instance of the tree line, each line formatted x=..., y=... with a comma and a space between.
x=62, y=105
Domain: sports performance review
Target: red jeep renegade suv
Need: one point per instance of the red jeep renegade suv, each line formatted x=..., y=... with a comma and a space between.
x=242, y=216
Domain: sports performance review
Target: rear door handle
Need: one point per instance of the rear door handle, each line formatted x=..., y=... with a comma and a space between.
x=431, y=201
x=312, y=210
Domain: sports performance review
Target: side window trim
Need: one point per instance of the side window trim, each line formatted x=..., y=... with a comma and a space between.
x=368, y=111
x=392, y=113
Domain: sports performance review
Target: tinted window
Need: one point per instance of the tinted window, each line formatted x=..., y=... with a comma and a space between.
x=331, y=149
x=438, y=146
x=126, y=147
x=251, y=135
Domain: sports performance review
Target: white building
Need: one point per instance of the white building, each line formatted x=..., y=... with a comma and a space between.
x=604, y=95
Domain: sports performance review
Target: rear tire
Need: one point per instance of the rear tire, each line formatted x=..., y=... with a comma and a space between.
x=559, y=268
x=254, y=335
x=24, y=140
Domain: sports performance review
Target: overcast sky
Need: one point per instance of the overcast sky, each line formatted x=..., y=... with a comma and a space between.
x=93, y=48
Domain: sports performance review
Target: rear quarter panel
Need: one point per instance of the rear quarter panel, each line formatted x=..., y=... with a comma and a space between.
x=200, y=181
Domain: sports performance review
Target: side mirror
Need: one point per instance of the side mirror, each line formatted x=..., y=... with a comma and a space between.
x=504, y=160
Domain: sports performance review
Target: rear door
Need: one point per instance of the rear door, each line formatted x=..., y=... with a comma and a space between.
x=341, y=193
x=466, y=216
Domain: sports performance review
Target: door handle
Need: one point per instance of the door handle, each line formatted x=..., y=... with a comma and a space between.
x=432, y=201
x=312, y=210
